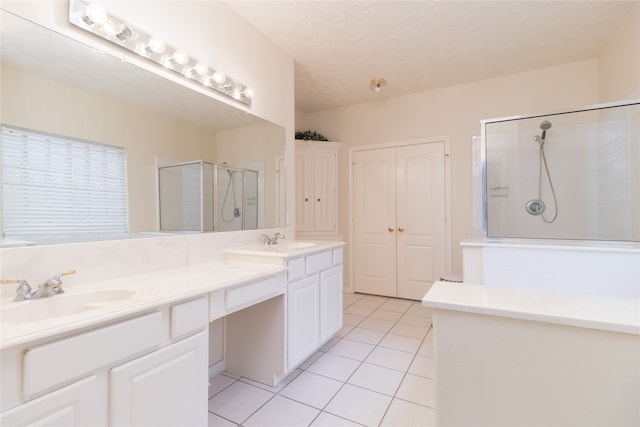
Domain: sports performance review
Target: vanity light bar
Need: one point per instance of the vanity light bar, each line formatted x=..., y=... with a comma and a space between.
x=94, y=18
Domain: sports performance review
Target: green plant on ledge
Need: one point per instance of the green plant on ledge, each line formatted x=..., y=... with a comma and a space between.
x=310, y=135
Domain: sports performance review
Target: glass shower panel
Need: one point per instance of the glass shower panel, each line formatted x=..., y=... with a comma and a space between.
x=186, y=197
x=567, y=176
x=251, y=199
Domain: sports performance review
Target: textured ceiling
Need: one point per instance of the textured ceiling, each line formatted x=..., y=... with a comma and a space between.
x=339, y=46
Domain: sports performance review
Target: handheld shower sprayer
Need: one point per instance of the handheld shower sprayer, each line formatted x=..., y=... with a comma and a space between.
x=545, y=125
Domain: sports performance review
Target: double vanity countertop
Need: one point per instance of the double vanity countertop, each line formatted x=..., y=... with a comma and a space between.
x=88, y=305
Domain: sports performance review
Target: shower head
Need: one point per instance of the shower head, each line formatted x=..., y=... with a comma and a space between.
x=545, y=125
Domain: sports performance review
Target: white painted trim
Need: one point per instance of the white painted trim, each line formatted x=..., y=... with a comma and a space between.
x=446, y=139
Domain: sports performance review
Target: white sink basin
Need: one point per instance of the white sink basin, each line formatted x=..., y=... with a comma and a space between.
x=60, y=305
x=294, y=245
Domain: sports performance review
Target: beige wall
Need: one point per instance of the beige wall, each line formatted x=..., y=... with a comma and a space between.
x=619, y=62
x=455, y=111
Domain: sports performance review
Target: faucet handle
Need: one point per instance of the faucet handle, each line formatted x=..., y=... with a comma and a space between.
x=56, y=281
x=23, y=292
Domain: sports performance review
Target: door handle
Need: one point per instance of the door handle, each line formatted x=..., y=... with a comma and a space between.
x=401, y=229
x=391, y=229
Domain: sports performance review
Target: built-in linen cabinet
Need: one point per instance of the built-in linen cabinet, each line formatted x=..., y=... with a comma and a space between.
x=150, y=369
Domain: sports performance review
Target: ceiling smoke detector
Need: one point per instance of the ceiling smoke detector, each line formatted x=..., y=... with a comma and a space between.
x=377, y=84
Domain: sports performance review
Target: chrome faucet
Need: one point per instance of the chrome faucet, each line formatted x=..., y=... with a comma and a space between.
x=49, y=288
x=268, y=241
x=23, y=293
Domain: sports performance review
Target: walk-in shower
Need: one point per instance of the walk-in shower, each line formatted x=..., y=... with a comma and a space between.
x=571, y=175
x=203, y=196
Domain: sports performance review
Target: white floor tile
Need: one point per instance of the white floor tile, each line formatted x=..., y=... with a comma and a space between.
x=333, y=341
x=351, y=319
x=281, y=411
x=343, y=331
x=407, y=330
x=351, y=349
x=398, y=342
x=329, y=420
x=391, y=316
x=376, y=298
x=377, y=378
x=359, y=405
x=277, y=388
x=315, y=356
x=417, y=390
x=426, y=349
x=377, y=324
x=359, y=311
x=390, y=358
x=412, y=319
x=422, y=366
x=332, y=366
x=238, y=401
x=312, y=389
x=219, y=383
x=393, y=306
x=419, y=310
x=407, y=414
x=370, y=303
x=216, y=421
x=368, y=336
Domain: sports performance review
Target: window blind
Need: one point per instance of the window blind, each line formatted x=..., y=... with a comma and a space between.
x=57, y=189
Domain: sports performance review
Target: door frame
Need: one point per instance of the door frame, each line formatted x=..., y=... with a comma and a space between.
x=446, y=140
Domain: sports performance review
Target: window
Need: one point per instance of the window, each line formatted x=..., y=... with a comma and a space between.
x=56, y=188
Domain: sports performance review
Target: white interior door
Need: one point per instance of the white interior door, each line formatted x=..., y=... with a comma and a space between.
x=420, y=210
x=374, y=219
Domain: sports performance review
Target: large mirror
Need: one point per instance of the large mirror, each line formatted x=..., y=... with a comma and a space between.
x=59, y=86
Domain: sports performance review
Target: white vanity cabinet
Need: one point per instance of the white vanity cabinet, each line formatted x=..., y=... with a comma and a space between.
x=151, y=369
x=314, y=303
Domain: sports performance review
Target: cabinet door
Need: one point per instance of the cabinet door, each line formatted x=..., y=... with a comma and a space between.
x=304, y=188
x=324, y=189
x=303, y=319
x=167, y=387
x=77, y=404
x=330, y=302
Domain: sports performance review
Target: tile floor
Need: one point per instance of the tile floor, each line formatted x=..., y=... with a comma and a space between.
x=376, y=371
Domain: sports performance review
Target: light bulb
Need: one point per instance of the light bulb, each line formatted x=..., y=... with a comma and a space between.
x=180, y=57
x=95, y=14
x=248, y=92
x=156, y=45
x=127, y=32
x=219, y=77
x=201, y=68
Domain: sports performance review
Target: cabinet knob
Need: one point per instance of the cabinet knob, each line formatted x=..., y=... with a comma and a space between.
x=401, y=229
x=306, y=200
x=390, y=229
x=318, y=199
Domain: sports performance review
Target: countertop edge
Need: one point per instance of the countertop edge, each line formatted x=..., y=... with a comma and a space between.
x=612, y=314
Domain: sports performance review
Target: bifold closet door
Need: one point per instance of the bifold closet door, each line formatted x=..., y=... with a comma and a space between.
x=374, y=204
x=399, y=219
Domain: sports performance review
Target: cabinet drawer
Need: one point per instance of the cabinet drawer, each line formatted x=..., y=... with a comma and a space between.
x=318, y=262
x=51, y=364
x=227, y=301
x=189, y=317
x=295, y=269
x=337, y=256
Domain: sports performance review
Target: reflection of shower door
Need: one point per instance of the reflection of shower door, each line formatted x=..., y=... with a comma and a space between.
x=399, y=219
x=251, y=200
